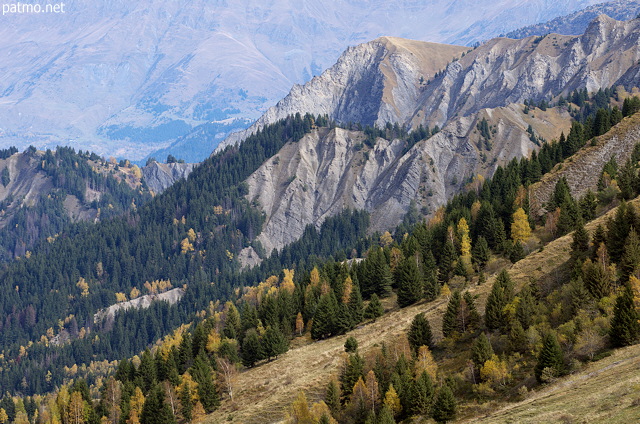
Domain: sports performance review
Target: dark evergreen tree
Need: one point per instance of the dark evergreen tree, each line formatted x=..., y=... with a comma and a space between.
x=351, y=345
x=332, y=396
x=444, y=408
x=203, y=375
x=450, y=318
x=580, y=243
x=409, y=282
x=419, y=333
x=378, y=273
x=482, y=351
x=480, y=253
x=155, y=410
x=352, y=371
x=501, y=294
x=526, y=308
x=186, y=402
x=274, y=343
x=625, y=328
x=324, y=320
x=251, y=351
x=374, y=309
x=631, y=256
x=550, y=356
x=386, y=416
x=356, y=306
x=422, y=395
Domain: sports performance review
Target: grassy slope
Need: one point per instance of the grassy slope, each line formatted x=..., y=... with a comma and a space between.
x=607, y=391
x=263, y=394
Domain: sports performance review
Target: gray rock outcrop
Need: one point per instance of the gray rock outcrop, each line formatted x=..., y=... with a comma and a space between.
x=160, y=176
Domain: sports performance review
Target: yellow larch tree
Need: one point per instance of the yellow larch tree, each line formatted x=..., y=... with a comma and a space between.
x=465, y=240
x=348, y=288
x=520, y=229
x=83, y=286
x=392, y=400
x=425, y=362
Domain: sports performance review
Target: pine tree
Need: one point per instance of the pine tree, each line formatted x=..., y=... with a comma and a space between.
x=356, y=306
x=482, y=351
x=550, y=356
x=324, y=320
x=481, y=253
x=251, y=350
x=332, y=396
x=409, y=282
x=155, y=410
x=422, y=394
x=186, y=402
x=352, y=371
x=525, y=308
x=580, y=243
x=450, y=318
x=444, y=408
x=351, y=345
x=625, y=328
x=379, y=274
x=631, y=255
x=419, y=333
x=273, y=343
x=374, y=309
x=501, y=294
x=386, y=416
x=203, y=375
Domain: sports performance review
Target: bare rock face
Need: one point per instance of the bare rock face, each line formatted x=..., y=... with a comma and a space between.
x=160, y=176
x=172, y=297
x=329, y=170
x=394, y=80
x=373, y=83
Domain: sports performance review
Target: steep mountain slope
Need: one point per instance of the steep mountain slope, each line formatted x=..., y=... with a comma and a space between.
x=583, y=171
x=128, y=78
x=330, y=170
x=42, y=192
x=500, y=72
x=576, y=23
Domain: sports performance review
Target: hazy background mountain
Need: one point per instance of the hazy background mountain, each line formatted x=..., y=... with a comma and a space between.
x=133, y=78
x=577, y=22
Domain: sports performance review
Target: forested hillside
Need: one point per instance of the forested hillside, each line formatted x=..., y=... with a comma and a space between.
x=190, y=236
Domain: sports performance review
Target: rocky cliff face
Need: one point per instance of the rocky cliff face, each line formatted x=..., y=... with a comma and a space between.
x=392, y=80
x=373, y=83
x=160, y=176
x=329, y=170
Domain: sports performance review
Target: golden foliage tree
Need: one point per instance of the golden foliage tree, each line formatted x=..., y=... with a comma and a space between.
x=299, y=412
x=392, y=401
x=3, y=416
x=465, y=240
x=425, y=362
x=83, y=286
x=520, y=229
x=135, y=406
x=299, y=324
x=75, y=409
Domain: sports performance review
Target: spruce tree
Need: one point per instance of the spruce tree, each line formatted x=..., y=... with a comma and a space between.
x=625, y=328
x=379, y=273
x=550, y=356
x=526, y=308
x=155, y=410
x=419, y=333
x=580, y=243
x=324, y=320
x=480, y=253
x=352, y=371
x=374, y=309
x=203, y=375
x=186, y=402
x=631, y=256
x=409, y=281
x=251, y=351
x=274, y=343
x=450, y=318
x=444, y=408
x=332, y=396
x=386, y=416
x=422, y=394
x=482, y=351
x=501, y=294
x=356, y=306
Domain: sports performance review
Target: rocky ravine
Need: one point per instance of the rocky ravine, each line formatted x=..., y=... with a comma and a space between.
x=331, y=169
x=380, y=81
